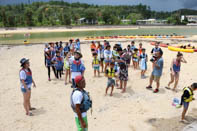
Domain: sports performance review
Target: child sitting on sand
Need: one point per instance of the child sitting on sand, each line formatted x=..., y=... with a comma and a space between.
x=96, y=64
x=67, y=68
x=135, y=58
x=186, y=98
x=143, y=63
x=111, y=74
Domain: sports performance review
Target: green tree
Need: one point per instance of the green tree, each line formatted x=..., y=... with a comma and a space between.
x=134, y=17
x=29, y=17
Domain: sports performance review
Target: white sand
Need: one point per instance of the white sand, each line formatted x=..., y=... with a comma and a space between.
x=136, y=110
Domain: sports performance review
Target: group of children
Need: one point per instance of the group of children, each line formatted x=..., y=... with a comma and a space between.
x=66, y=58
x=115, y=63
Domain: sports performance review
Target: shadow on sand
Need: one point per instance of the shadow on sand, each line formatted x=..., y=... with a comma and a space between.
x=172, y=124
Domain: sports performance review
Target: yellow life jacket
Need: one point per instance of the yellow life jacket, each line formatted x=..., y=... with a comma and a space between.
x=111, y=72
x=96, y=61
x=135, y=55
x=190, y=93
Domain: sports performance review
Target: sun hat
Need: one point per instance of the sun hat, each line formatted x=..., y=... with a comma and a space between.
x=23, y=61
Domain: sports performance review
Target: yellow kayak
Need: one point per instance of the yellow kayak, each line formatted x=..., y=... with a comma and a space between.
x=26, y=42
x=181, y=50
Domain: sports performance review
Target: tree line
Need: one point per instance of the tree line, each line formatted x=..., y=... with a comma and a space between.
x=58, y=13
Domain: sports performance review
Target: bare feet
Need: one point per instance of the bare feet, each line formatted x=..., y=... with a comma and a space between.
x=123, y=91
x=30, y=114
x=111, y=94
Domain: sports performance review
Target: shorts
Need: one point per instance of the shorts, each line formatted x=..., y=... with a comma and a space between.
x=155, y=78
x=79, y=128
x=25, y=90
x=135, y=59
x=107, y=61
x=96, y=67
x=185, y=105
x=111, y=82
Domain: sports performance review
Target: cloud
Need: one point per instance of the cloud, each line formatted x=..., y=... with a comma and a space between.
x=189, y=3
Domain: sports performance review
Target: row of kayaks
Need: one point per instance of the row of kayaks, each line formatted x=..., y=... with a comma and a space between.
x=133, y=37
x=179, y=48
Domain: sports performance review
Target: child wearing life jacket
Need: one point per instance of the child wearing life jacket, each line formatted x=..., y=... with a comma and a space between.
x=49, y=63
x=26, y=80
x=58, y=60
x=143, y=63
x=93, y=47
x=132, y=46
x=96, y=64
x=67, y=68
x=186, y=98
x=111, y=74
x=175, y=70
x=140, y=49
x=76, y=66
x=66, y=49
x=135, y=58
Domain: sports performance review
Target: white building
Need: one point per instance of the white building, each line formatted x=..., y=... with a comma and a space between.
x=190, y=18
x=151, y=22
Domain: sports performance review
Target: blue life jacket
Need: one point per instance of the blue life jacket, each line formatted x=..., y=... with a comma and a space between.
x=28, y=79
x=86, y=103
x=77, y=46
x=59, y=64
x=143, y=56
x=176, y=68
x=66, y=49
x=77, y=66
x=48, y=59
x=156, y=50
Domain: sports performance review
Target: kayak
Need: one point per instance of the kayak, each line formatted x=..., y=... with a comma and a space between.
x=181, y=50
x=161, y=44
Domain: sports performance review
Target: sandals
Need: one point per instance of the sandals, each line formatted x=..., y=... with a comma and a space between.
x=149, y=87
x=168, y=88
x=156, y=90
x=32, y=109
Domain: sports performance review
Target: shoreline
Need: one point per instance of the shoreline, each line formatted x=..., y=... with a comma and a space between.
x=16, y=30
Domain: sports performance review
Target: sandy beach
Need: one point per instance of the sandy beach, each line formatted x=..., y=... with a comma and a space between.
x=136, y=110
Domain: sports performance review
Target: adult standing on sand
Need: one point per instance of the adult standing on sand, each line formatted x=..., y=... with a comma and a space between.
x=80, y=103
x=157, y=71
x=26, y=83
x=175, y=70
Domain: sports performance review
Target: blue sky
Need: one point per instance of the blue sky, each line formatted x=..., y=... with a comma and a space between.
x=159, y=5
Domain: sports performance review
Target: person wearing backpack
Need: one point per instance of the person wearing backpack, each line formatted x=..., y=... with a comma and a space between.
x=80, y=103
